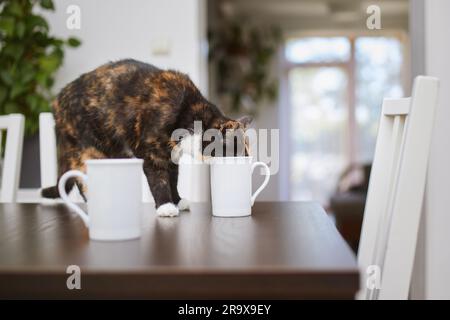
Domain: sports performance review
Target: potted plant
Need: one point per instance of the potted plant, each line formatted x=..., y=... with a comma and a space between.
x=29, y=59
x=241, y=53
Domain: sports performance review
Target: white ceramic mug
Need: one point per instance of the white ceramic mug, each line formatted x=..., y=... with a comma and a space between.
x=114, y=193
x=231, y=185
x=194, y=182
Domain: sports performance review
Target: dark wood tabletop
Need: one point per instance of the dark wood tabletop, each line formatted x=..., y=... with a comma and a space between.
x=284, y=250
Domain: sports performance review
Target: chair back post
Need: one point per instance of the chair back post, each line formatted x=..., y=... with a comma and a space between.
x=14, y=125
x=48, y=155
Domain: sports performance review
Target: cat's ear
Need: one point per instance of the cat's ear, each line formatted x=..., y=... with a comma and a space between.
x=245, y=121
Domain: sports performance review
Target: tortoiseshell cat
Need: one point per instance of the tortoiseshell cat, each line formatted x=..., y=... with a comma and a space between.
x=129, y=109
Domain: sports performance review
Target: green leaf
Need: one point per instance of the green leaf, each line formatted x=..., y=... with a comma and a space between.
x=17, y=90
x=47, y=4
x=57, y=42
x=41, y=79
x=59, y=53
x=20, y=29
x=3, y=94
x=6, y=77
x=7, y=25
x=37, y=21
x=50, y=82
x=32, y=102
x=26, y=71
x=15, y=8
x=49, y=63
x=73, y=42
x=11, y=107
x=14, y=50
x=43, y=105
x=27, y=77
x=41, y=40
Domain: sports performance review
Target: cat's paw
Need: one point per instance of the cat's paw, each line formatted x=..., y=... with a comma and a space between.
x=167, y=210
x=183, y=205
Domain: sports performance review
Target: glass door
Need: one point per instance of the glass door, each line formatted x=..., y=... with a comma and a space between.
x=318, y=98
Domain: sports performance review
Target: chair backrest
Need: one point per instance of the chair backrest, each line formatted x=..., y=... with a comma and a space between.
x=396, y=189
x=48, y=155
x=49, y=163
x=13, y=124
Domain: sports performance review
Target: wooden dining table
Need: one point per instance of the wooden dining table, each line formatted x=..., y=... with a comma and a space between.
x=284, y=250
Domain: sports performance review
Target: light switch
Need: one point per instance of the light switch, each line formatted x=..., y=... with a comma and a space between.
x=161, y=47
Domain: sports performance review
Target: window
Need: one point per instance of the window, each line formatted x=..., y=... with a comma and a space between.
x=378, y=75
x=318, y=50
x=335, y=90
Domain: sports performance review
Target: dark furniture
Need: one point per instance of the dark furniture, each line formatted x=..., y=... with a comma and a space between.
x=284, y=250
x=348, y=208
x=348, y=205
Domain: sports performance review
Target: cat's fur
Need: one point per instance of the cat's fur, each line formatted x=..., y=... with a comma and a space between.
x=129, y=109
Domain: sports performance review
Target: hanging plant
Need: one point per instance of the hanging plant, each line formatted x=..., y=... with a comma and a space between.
x=242, y=55
x=29, y=58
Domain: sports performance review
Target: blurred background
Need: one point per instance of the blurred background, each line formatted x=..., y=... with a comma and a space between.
x=317, y=70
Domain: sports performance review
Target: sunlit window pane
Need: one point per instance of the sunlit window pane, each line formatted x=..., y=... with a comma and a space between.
x=310, y=50
x=318, y=121
x=378, y=75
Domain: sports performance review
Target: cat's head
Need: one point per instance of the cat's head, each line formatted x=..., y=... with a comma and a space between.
x=227, y=138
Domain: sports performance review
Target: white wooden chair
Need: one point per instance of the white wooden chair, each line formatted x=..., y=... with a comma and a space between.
x=396, y=189
x=48, y=157
x=13, y=124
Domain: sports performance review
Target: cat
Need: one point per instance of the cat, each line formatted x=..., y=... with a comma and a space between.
x=128, y=109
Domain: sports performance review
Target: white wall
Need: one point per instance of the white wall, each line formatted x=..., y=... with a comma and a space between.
x=116, y=29
x=437, y=205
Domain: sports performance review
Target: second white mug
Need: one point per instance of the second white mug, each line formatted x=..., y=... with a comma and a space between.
x=231, y=185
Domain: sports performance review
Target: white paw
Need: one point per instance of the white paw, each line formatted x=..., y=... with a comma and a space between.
x=183, y=205
x=167, y=210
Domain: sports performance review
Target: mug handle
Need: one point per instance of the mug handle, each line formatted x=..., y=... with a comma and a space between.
x=266, y=179
x=62, y=192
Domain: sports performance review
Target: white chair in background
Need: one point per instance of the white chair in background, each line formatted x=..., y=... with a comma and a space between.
x=48, y=158
x=13, y=124
x=396, y=189
x=47, y=145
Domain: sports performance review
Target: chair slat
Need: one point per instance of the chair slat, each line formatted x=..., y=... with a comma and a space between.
x=14, y=125
x=377, y=198
x=48, y=155
x=398, y=135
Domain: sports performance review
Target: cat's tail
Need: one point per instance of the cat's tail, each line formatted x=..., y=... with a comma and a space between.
x=50, y=192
